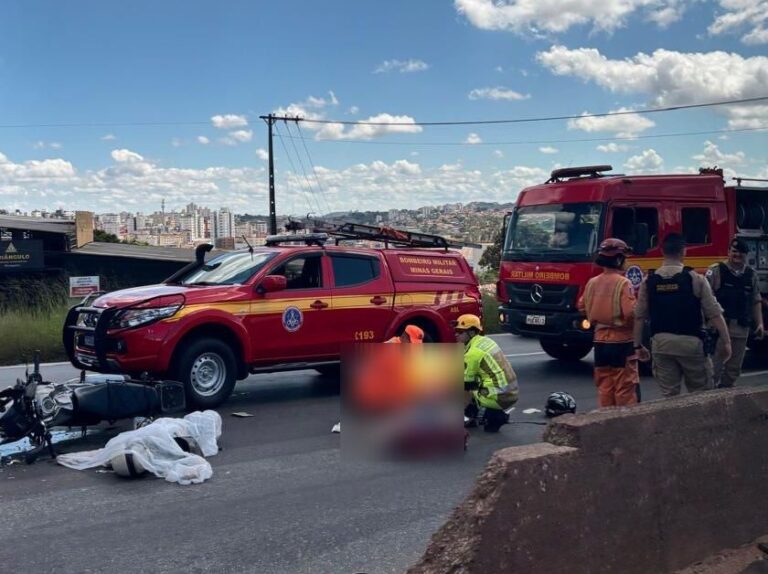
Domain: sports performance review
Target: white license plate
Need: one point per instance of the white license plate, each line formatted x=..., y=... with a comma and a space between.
x=535, y=319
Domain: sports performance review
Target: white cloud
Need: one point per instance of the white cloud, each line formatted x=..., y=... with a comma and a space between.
x=353, y=110
x=130, y=182
x=21, y=176
x=108, y=137
x=367, y=132
x=126, y=156
x=319, y=103
x=553, y=16
x=748, y=16
x=497, y=93
x=498, y=153
x=43, y=145
x=548, y=149
x=404, y=67
x=229, y=121
x=612, y=148
x=303, y=109
x=203, y=140
x=242, y=136
x=647, y=161
x=672, y=78
x=628, y=125
x=712, y=156
x=473, y=139
x=499, y=69
x=262, y=154
x=176, y=142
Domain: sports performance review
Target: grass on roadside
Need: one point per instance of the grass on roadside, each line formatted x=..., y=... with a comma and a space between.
x=490, y=314
x=21, y=332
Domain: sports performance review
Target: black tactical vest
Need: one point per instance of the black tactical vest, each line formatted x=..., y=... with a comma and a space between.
x=735, y=294
x=673, y=308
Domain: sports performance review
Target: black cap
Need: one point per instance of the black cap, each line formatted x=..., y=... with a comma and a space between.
x=739, y=245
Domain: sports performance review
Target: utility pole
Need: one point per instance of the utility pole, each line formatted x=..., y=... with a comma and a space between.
x=271, y=119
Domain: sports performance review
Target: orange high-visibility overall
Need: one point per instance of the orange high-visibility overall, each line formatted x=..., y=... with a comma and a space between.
x=609, y=305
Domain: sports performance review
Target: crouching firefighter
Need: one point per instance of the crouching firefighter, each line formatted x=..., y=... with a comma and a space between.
x=489, y=380
x=609, y=305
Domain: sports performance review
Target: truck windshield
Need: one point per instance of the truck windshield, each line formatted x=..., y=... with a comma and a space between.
x=556, y=232
x=228, y=269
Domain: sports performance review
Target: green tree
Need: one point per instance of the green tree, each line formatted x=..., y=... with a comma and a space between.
x=491, y=257
x=104, y=237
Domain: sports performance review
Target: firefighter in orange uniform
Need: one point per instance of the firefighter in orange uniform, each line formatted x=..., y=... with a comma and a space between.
x=609, y=304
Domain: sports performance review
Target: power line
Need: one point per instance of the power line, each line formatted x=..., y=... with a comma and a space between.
x=314, y=171
x=368, y=123
x=537, y=119
x=537, y=142
x=293, y=167
x=301, y=163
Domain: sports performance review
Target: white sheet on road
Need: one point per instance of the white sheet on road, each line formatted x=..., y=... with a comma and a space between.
x=154, y=447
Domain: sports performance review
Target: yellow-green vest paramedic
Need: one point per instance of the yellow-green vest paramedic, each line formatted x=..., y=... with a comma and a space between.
x=489, y=379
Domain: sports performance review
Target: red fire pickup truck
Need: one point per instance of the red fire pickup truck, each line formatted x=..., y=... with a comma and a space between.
x=556, y=227
x=289, y=305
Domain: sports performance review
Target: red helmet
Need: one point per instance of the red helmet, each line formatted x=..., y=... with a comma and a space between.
x=611, y=247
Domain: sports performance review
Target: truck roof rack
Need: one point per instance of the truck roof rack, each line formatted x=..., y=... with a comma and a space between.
x=589, y=170
x=306, y=238
x=387, y=235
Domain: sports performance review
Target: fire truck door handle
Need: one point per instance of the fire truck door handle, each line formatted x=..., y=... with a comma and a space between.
x=378, y=300
x=319, y=304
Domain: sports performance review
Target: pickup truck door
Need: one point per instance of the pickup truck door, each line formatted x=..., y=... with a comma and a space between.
x=294, y=324
x=363, y=298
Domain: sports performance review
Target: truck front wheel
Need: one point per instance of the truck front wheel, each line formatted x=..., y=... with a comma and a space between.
x=208, y=369
x=566, y=350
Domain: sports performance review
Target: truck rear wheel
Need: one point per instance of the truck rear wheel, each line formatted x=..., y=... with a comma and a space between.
x=208, y=369
x=566, y=350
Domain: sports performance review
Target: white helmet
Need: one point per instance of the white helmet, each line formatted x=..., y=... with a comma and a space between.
x=127, y=465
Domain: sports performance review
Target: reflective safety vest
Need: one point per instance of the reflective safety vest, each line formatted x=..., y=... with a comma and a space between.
x=486, y=365
x=672, y=305
x=602, y=299
x=735, y=294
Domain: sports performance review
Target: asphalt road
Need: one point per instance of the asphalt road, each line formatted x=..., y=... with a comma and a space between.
x=281, y=499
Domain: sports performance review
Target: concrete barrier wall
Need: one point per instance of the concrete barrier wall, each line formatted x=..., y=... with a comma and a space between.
x=639, y=490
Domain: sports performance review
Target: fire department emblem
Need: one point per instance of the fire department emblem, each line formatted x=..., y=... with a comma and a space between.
x=292, y=319
x=635, y=276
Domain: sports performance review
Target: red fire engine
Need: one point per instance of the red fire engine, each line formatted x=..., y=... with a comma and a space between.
x=552, y=235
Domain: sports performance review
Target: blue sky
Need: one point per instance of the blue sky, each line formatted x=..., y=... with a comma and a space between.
x=200, y=73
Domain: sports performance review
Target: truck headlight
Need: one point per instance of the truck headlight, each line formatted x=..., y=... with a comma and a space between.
x=136, y=317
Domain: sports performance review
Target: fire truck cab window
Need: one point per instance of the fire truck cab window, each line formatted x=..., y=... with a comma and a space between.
x=351, y=270
x=626, y=219
x=696, y=225
x=555, y=230
x=302, y=272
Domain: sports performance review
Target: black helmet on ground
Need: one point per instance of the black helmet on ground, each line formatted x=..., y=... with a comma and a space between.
x=559, y=403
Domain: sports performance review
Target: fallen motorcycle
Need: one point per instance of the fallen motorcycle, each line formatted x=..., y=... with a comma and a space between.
x=32, y=407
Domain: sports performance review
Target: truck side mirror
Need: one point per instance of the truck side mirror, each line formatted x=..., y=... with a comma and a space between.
x=200, y=252
x=272, y=283
x=642, y=239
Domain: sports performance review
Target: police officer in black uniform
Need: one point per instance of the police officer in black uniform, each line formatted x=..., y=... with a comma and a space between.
x=736, y=288
x=678, y=301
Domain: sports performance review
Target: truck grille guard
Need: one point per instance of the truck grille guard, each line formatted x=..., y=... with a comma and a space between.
x=97, y=326
x=96, y=321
